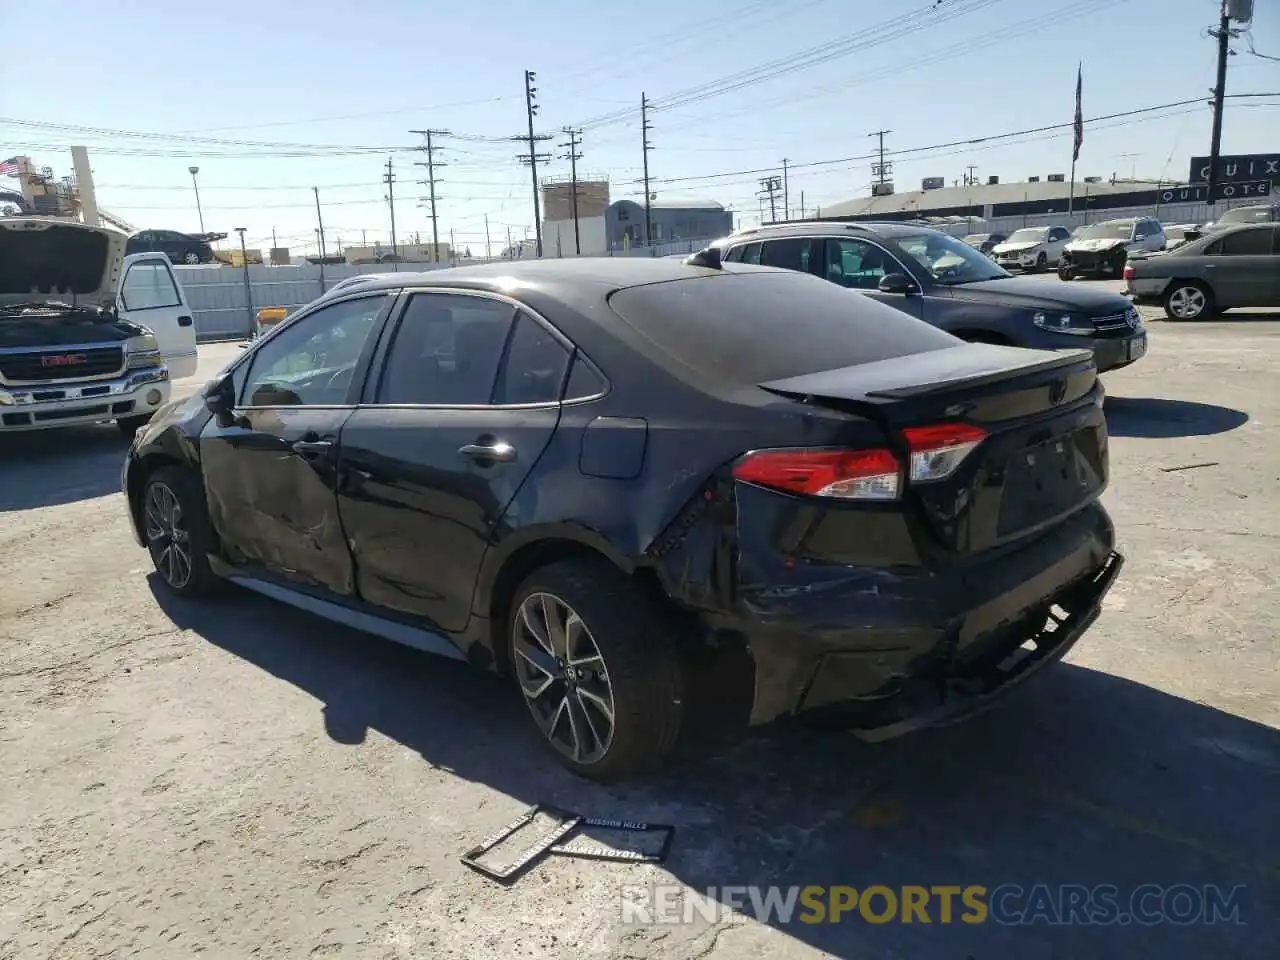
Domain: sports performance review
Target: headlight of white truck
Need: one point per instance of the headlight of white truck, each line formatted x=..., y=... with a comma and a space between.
x=142, y=352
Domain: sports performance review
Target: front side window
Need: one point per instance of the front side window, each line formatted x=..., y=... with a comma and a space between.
x=948, y=260
x=446, y=351
x=312, y=361
x=149, y=286
x=751, y=254
x=858, y=264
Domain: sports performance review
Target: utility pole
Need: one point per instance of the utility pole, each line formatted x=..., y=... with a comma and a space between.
x=1223, y=36
x=488, y=254
x=390, y=179
x=770, y=187
x=319, y=236
x=248, y=287
x=786, y=192
x=880, y=171
x=453, y=250
x=319, y=219
x=510, y=251
x=430, y=149
x=801, y=204
x=969, y=178
x=645, y=127
x=573, y=156
x=533, y=158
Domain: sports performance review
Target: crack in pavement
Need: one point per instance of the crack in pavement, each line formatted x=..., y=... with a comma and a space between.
x=68, y=664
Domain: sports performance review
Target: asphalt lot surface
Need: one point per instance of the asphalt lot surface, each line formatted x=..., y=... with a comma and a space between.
x=240, y=779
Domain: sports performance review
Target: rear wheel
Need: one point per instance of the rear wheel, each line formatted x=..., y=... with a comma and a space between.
x=597, y=666
x=176, y=528
x=191, y=257
x=1188, y=300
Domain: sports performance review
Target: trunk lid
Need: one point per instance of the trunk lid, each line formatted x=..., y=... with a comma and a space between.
x=1045, y=453
x=45, y=260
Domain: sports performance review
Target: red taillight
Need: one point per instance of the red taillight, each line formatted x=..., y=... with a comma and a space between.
x=1129, y=271
x=846, y=474
x=937, y=451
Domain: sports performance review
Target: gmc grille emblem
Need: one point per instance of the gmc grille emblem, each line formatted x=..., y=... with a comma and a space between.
x=63, y=360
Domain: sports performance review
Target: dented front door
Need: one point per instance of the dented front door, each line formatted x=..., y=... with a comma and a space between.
x=270, y=479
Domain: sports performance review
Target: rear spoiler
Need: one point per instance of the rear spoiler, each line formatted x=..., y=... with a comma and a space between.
x=937, y=371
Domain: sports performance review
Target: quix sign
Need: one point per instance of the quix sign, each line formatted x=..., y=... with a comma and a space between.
x=1243, y=168
x=1199, y=192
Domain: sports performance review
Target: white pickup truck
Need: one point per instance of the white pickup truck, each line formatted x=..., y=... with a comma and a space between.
x=86, y=333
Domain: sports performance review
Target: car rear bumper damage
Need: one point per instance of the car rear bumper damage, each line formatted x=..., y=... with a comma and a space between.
x=894, y=651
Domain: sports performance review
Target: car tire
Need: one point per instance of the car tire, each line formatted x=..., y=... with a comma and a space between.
x=1066, y=272
x=607, y=694
x=1042, y=263
x=191, y=258
x=175, y=526
x=131, y=425
x=1188, y=300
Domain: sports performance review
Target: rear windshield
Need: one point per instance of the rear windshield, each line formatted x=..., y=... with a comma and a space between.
x=756, y=326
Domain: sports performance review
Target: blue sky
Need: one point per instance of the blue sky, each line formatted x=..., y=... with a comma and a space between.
x=332, y=75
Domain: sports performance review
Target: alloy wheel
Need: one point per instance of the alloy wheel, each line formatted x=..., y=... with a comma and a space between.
x=563, y=678
x=192, y=257
x=167, y=535
x=1187, y=303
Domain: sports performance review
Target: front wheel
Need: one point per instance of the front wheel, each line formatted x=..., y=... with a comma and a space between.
x=598, y=669
x=1066, y=272
x=176, y=529
x=1188, y=300
x=1042, y=263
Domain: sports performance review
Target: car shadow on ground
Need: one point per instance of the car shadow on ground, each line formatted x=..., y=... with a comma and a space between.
x=1158, y=419
x=1081, y=779
x=48, y=468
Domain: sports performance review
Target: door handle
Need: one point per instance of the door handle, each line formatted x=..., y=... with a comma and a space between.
x=498, y=451
x=312, y=447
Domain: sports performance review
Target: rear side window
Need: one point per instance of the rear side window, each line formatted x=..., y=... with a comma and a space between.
x=746, y=328
x=1245, y=243
x=446, y=350
x=792, y=253
x=534, y=366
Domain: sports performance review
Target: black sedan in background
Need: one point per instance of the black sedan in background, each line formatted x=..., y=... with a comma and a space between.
x=179, y=247
x=936, y=278
x=606, y=478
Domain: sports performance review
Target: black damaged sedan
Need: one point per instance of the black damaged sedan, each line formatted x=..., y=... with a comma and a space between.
x=606, y=478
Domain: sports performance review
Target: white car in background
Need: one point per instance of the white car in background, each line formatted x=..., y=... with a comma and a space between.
x=1104, y=248
x=1032, y=248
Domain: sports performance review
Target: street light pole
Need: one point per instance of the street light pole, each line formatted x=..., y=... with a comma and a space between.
x=248, y=287
x=200, y=213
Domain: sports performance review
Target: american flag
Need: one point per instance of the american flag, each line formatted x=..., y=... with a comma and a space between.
x=1079, y=120
x=9, y=167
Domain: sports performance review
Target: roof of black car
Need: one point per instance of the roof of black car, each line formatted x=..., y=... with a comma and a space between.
x=606, y=272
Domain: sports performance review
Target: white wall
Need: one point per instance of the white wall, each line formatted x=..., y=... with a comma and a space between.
x=557, y=237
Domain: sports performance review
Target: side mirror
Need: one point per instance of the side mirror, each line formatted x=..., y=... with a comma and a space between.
x=219, y=396
x=896, y=283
